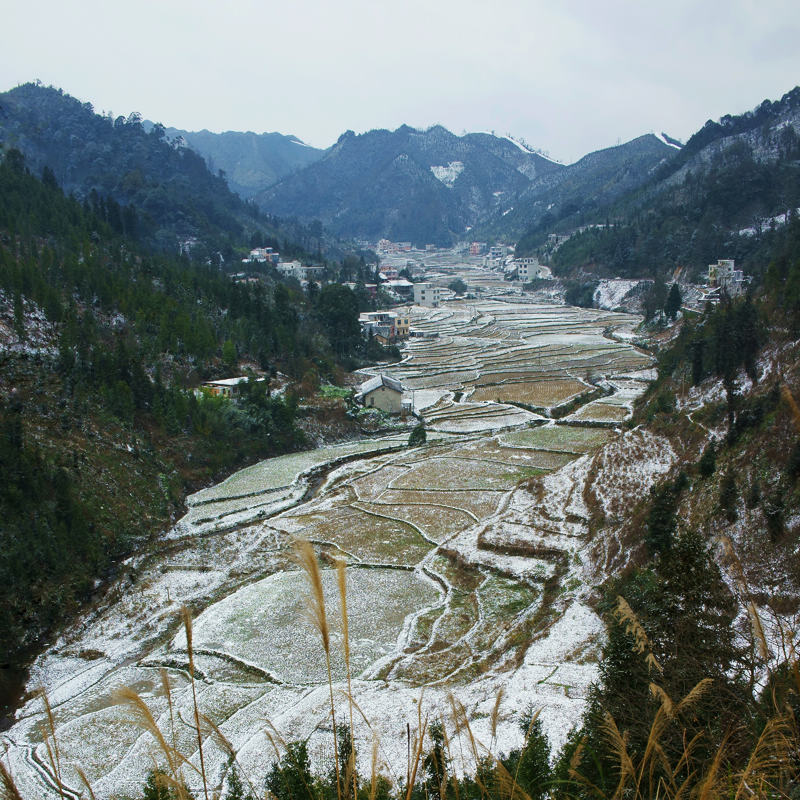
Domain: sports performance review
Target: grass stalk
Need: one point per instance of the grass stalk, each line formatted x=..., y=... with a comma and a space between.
x=341, y=578
x=316, y=604
x=8, y=789
x=187, y=625
x=50, y=737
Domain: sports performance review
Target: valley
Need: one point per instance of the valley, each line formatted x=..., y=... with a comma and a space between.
x=568, y=548
x=472, y=567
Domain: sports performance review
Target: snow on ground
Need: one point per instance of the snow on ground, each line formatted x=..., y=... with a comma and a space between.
x=34, y=334
x=424, y=399
x=263, y=621
x=627, y=468
x=767, y=223
x=610, y=294
x=449, y=173
x=257, y=655
x=663, y=138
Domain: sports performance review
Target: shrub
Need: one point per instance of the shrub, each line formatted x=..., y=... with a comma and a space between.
x=418, y=436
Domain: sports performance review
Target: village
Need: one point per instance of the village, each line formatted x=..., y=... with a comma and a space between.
x=409, y=281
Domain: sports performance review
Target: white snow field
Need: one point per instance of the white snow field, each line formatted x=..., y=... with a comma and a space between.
x=470, y=570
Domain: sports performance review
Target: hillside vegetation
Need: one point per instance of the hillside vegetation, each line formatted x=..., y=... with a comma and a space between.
x=103, y=344
x=155, y=189
x=722, y=195
x=249, y=161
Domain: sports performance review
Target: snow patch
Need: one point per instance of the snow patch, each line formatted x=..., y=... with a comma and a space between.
x=610, y=294
x=448, y=174
x=661, y=137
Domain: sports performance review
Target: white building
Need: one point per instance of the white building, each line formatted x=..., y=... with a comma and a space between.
x=529, y=269
x=426, y=294
x=382, y=392
x=289, y=269
x=724, y=275
x=294, y=269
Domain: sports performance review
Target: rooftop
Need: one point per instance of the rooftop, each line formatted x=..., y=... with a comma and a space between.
x=377, y=382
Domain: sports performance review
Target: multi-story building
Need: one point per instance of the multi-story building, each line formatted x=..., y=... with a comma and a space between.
x=426, y=294
x=294, y=269
x=402, y=324
x=263, y=255
x=724, y=275
x=529, y=269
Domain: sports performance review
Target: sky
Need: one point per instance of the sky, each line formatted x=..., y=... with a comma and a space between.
x=567, y=77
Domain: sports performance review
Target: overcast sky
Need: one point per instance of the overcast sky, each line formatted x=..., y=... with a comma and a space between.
x=567, y=77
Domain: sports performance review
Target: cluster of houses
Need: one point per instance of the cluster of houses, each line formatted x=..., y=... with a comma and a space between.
x=263, y=255
x=723, y=276
x=289, y=269
x=381, y=392
x=394, y=285
x=385, y=326
x=387, y=246
x=294, y=269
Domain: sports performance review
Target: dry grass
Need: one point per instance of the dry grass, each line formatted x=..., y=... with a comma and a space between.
x=7, y=786
x=544, y=393
x=768, y=771
x=316, y=604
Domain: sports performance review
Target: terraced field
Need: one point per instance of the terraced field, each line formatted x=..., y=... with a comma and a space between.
x=469, y=569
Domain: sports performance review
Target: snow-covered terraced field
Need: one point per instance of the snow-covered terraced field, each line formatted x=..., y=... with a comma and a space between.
x=470, y=569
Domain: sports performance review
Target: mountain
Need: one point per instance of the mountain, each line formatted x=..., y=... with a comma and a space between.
x=250, y=161
x=580, y=188
x=434, y=186
x=167, y=189
x=720, y=196
x=425, y=186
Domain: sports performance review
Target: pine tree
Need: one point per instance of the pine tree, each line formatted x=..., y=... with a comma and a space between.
x=673, y=303
x=531, y=764
x=291, y=778
x=434, y=764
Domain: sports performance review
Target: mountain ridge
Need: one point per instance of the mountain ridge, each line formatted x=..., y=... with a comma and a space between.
x=250, y=161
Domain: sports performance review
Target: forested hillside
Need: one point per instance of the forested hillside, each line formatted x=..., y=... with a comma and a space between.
x=576, y=192
x=103, y=344
x=154, y=188
x=698, y=683
x=251, y=162
x=424, y=186
x=722, y=195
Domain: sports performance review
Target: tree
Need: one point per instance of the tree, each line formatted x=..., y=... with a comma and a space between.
x=458, y=286
x=708, y=461
x=655, y=298
x=291, y=778
x=662, y=521
x=728, y=495
x=531, y=764
x=229, y=354
x=236, y=789
x=673, y=303
x=337, y=309
x=418, y=435
x=434, y=764
x=157, y=788
x=674, y=631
